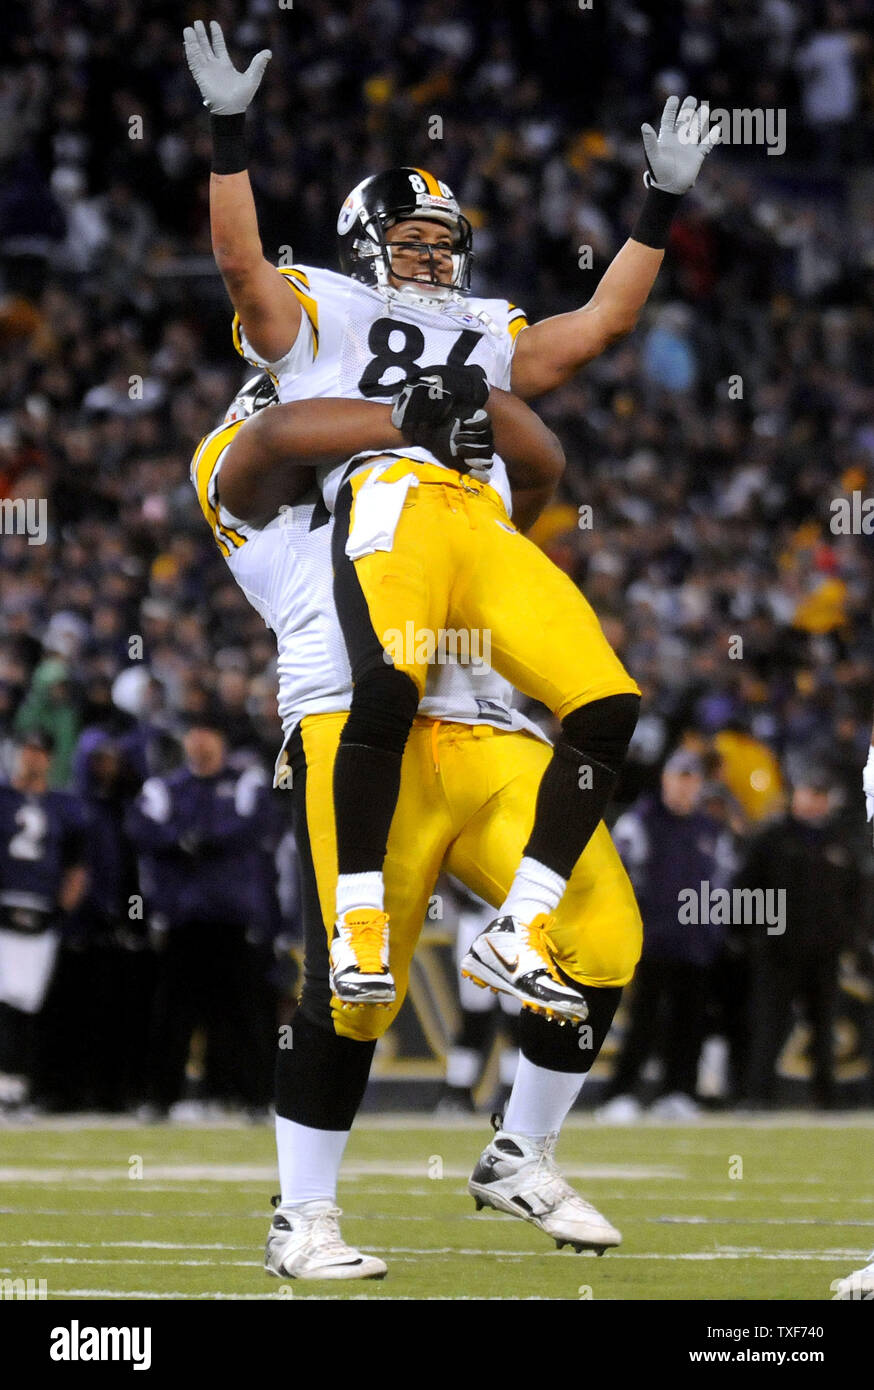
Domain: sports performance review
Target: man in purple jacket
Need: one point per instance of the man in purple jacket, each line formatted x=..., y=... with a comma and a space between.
x=675, y=855
x=201, y=835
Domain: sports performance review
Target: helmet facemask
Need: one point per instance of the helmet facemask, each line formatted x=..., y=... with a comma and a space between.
x=436, y=287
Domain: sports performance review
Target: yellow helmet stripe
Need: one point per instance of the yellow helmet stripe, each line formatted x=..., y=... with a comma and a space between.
x=430, y=182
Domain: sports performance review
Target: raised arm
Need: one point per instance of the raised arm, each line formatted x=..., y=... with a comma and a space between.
x=268, y=308
x=549, y=353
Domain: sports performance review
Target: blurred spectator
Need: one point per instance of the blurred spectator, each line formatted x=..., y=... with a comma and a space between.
x=670, y=849
x=201, y=835
x=829, y=90
x=97, y=1013
x=803, y=858
x=42, y=881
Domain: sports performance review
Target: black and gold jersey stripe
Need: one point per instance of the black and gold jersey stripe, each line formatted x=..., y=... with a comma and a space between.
x=300, y=283
x=517, y=319
x=203, y=466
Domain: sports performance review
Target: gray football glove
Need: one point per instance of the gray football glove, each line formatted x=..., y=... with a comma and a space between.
x=676, y=154
x=426, y=416
x=225, y=91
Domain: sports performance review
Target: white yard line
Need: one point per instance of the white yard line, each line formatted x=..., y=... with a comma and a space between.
x=150, y=1295
x=266, y=1173
x=161, y=1264
x=287, y=1293
x=114, y=1245
x=750, y=1221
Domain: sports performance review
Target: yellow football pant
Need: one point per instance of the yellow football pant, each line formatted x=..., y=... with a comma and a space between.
x=466, y=805
x=457, y=563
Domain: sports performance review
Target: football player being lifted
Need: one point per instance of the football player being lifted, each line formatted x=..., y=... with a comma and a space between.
x=422, y=541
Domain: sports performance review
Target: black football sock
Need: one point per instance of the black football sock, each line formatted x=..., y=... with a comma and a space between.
x=579, y=781
x=367, y=769
x=321, y=1077
x=574, y=1049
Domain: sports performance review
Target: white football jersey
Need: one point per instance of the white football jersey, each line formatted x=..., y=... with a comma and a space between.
x=357, y=341
x=286, y=572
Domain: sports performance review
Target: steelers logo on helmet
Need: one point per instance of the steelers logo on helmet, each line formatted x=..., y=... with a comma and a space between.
x=401, y=195
x=349, y=211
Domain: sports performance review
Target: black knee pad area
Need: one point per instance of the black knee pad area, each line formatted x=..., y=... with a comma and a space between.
x=321, y=1078
x=572, y=1049
x=384, y=704
x=602, y=729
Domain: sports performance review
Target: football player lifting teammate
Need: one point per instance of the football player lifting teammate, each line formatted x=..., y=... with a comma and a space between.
x=395, y=385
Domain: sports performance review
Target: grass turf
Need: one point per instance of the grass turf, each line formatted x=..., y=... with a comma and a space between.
x=727, y=1209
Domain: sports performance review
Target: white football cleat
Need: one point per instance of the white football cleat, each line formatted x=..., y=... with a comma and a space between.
x=518, y=1175
x=677, y=1107
x=304, y=1242
x=359, y=972
x=858, y=1286
x=621, y=1110
x=518, y=958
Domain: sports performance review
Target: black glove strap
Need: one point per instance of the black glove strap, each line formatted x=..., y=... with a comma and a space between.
x=653, y=226
x=229, y=154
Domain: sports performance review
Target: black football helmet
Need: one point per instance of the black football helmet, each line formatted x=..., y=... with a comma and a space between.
x=259, y=391
x=397, y=195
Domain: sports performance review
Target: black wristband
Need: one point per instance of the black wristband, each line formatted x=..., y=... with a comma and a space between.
x=654, y=223
x=229, y=154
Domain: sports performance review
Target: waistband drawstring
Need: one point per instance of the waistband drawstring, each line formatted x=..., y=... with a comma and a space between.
x=435, y=751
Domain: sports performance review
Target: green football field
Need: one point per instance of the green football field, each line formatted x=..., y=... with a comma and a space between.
x=727, y=1209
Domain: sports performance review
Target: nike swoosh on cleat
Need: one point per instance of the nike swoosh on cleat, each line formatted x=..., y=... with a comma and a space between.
x=506, y=964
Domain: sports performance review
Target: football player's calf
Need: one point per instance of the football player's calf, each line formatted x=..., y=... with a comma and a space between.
x=304, y=1242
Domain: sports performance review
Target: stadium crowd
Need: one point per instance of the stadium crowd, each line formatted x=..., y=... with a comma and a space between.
x=713, y=457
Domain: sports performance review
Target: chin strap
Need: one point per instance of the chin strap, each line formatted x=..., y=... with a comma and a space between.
x=410, y=296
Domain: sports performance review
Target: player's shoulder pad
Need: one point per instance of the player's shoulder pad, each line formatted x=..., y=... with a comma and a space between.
x=508, y=318
x=203, y=446
x=306, y=282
